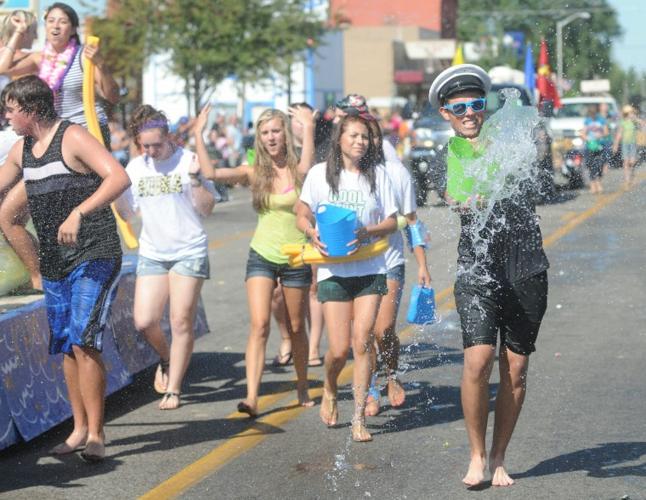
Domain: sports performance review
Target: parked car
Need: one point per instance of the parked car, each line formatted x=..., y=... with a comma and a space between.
x=567, y=123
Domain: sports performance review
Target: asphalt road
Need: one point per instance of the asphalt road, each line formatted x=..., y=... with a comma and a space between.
x=581, y=434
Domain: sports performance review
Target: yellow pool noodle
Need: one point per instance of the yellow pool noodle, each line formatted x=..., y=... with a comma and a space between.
x=301, y=254
x=89, y=109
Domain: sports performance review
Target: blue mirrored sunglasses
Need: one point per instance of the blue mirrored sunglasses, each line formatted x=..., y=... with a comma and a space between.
x=460, y=108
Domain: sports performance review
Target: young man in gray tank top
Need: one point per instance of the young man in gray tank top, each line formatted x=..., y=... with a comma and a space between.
x=69, y=180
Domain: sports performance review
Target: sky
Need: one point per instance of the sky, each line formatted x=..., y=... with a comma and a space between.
x=630, y=50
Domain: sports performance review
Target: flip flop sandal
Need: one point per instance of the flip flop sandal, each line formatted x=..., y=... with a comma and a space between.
x=245, y=408
x=282, y=359
x=162, y=369
x=314, y=362
x=167, y=396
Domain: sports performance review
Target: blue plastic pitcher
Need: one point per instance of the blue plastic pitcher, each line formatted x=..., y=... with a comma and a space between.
x=421, y=309
x=336, y=227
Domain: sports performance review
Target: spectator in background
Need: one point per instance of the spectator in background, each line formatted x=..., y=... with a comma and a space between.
x=627, y=137
x=595, y=129
x=234, y=139
x=217, y=161
x=119, y=142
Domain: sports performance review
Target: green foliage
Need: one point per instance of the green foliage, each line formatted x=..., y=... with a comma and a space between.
x=124, y=40
x=586, y=43
x=211, y=39
x=208, y=40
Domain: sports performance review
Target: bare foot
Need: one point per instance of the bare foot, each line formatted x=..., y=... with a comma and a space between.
x=170, y=401
x=75, y=441
x=304, y=398
x=372, y=406
x=328, y=412
x=499, y=476
x=475, y=474
x=396, y=393
x=359, y=432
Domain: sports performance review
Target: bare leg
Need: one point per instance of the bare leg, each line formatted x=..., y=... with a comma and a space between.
x=259, y=293
x=316, y=328
x=184, y=292
x=13, y=217
x=338, y=317
x=151, y=296
x=279, y=311
x=478, y=361
x=78, y=437
x=509, y=401
x=388, y=342
x=296, y=305
x=91, y=382
x=364, y=315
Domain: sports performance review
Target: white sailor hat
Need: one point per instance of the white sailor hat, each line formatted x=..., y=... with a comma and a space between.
x=458, y=79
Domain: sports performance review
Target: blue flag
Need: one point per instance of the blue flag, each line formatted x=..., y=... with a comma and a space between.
x=530, y=72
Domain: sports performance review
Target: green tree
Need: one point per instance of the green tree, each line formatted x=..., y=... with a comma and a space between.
x=209, y=40
x=125, y=44
x=586, y=43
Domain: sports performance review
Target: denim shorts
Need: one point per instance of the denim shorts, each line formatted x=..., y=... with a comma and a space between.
x=290, y=277
x=338, y=289
x=629, y=151
x=195, y=267
x=397, y=273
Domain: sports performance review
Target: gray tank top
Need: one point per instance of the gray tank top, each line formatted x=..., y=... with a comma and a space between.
x=68, y=101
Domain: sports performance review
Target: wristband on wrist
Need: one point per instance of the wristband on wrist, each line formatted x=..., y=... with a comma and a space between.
x=417, y=235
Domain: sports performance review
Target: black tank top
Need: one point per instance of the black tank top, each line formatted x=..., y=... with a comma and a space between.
x=53, y=191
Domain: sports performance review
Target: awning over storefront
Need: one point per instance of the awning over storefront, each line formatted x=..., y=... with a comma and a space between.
x=430, y=49
x=409, y=76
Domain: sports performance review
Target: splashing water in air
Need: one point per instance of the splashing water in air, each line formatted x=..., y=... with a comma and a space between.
x=503, y=168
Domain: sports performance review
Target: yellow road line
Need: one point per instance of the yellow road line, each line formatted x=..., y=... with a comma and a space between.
x=248, y=439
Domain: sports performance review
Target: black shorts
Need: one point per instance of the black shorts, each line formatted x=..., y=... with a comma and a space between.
x=514, y=310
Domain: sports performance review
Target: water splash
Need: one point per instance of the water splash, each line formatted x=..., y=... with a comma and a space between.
x=505, y=168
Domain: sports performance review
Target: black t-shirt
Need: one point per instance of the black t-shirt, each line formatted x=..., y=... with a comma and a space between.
x=508, y=247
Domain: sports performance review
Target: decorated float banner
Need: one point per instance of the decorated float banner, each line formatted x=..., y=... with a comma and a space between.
x=33, y=397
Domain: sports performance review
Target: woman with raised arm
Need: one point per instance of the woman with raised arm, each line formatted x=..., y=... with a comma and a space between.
x=350, y=292
x=169, y=193
x=60, y=65
x=276, y=178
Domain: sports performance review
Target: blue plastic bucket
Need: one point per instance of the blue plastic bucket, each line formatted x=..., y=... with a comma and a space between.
x=336, y=227
x=421, y=309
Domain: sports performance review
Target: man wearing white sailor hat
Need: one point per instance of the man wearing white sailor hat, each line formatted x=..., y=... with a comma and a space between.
x=511, y=298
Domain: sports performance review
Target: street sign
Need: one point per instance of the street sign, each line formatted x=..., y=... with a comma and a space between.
x=595, y=86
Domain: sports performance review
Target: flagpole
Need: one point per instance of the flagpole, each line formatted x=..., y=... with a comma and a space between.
x=559, y=45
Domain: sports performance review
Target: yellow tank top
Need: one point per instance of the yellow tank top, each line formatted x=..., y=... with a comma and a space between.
x=277, y=226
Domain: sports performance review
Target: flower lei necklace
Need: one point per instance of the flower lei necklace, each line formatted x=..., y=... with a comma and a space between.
x=55, y=65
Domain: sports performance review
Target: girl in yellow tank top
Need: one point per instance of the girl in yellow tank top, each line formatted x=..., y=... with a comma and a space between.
x=275, y=178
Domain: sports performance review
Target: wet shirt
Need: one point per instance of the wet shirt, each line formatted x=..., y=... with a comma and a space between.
x=161, y=190
x=53, y=191
x=354, y=194
x=509, y=246
x=595, y=134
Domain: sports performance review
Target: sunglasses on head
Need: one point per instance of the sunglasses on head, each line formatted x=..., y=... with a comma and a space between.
x=460, y=108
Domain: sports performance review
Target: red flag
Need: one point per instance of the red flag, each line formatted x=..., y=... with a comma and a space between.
x=546, y=88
